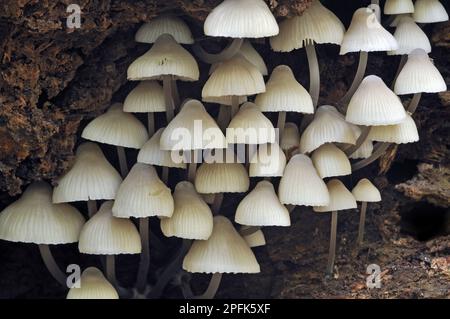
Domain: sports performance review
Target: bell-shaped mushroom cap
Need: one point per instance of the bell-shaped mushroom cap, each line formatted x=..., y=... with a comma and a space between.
x=261, y=207
x=250, y=126
x=151, y=153
x=317, y=24
x=429, y=11
x=235, y=76
x=419, y=75
x=405, y=132
x=290, y=138
x=330, y=161
x=340, y=198
x=213, y=178
x=192, y=217
x=118, y=128
x=328, y=126
x=177, y=28
x=105, y=234
x=252, y=56
x=91, y=177
x=268, y=161
x=366, y=148
x=367, y=34
x=398, y=6
x=255, y=239
x=142, y=194
x=410, y=36
x=92, y=285
x=365, y=191
x=241, y=19
x=224, y=100
x=284, y=93
x=33, y=218
x=166, y=57
x=224, y=252
x=398, y=18
x=301, y=185
x=375, y=104
x=192, y=129
x=147, y=97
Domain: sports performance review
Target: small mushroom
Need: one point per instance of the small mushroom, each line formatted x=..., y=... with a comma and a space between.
x=252, y=56
x=290, y=138
x=92, y=285
x=167, y=24
x=429, y=11
x=398, y=7
x=330, y=161
x=255, y=239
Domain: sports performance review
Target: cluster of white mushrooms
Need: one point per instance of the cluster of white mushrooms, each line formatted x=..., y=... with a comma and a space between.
x=304, y=156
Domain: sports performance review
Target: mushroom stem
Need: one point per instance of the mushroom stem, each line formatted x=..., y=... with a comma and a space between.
x=332, y=251
x=281, y=122
x=192, y=166
x=234, y=105
x=111, y=270
x=213, y=286
x=218, y=199
x=170, y=270
x=362, y=222
x=224, y=117
x=151, y=123
x=175, y=94
x=402, y=63
x=144, y=262
x=414, y=103
x=167, y=84
x=380, y=148
x=122, y=161
x=92, y=207
x=165, y=175
x=360, y=141
x=51, y=265
x=231, y=50
x=362, y=65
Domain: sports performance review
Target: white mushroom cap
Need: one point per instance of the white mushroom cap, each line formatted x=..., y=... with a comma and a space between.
x=367, y=34
x=142, y=194
x=397, y=19
x=224, y=100
x=151, y=153
x=148, y=96
x=250, y=126
x=301, y=184
x=236, y=76
x=330, y=161
x=166, y=57
x=118, y=128
x=410, y=36
x=366, y=148
x=328, y=126
x=213, y=178
x=284, y=93
x=251, y=55
x=192, y=217
x=405, y=132
x=224, y=252
x=92, y=285
x=261, y=207
x=241, y=19
x=192, y=129
x=91, y=177
x=290, y=138
x=105, y=234
x=398, y=6
x=176, y=27
x=316, y=24
x=419, y=75
x=375, y=104
x=429, y=11
x=340, y=198
x=365, y=191
x=255, y=239
x=33, y=218
x=268, y=161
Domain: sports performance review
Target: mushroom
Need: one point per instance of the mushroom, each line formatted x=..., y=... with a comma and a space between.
x=290, y=138
x=167, y=24
x=91, y=178
x=268, y=161
x=224, y=252
x=330, y=161
x=284, y=94
x=166, y=60
x=105, y=234
x=117, y=128
x=405, y=132
x=340, y=199
x=237, y=19
x=193, y=130
x=255, y=239
x=147, y=97
x=92, y=285
x=318, y=25
x=398, y=7
x=33, y=218
x=364, y=192
x=252, y=56
x=142, y=195
x=236, y=77
x=366, y=148
x=429, y=11
x=365, y=35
